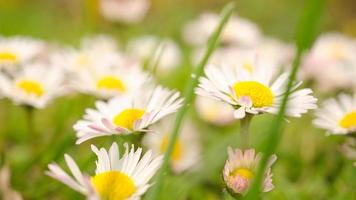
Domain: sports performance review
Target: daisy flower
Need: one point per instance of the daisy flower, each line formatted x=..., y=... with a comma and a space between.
x=115, y=178
x=250, y=89
x=240, y=169
x=151, y=47
x=34, y=85
x=93, y=53
x=18, y=50
x=106, y=82
x=331, y=62
x=349, y=149
x=127, y=113
x=238, y=31
x=125, y=11
x=186, y=151
x=214, y=112
x=338, y=116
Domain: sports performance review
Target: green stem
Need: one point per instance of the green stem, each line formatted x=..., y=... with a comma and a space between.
x=244, y=131
x=189, y=97
x=29, y=112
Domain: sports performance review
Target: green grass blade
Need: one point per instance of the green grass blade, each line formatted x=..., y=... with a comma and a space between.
x=189, y=97
x=305, y=35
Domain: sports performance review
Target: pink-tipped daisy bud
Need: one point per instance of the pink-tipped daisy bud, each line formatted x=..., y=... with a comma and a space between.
x=240, y=169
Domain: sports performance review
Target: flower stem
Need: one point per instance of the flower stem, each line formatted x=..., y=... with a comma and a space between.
x=244, y=131
x=29, y=111
x=189, y=97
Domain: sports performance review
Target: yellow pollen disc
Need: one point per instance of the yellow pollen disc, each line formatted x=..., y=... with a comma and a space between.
x=260, y=95
x=111, y=83
x=8, y=56
x=30, y=87
x=113, y=185
x=248, y=66
x=337, y=51
x=128, y=117
x=243, y=172
x=177, y=149
x=349, y=120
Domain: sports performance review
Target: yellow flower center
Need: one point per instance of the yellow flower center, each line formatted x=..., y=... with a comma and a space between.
x=127, y=117
x=30, y=87
x=113, y=185
x=337, y=51
x=349, y=120
x=177, y=149
x=111, y=83
x=248, y=66
x=243, y=172
x=8, y=56
x=260, y=95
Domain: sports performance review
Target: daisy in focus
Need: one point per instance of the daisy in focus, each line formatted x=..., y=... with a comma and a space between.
x=107, y=82
x=127, y=114
x=331, y=62
x=116, y=178
x=251, y=89
x=240, y=169
x=338, y=116
x=186, y=151
x=34, y=85
x=18, y=50
x=124, y=11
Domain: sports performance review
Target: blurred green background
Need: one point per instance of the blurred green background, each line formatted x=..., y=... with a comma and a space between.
x=309, y=166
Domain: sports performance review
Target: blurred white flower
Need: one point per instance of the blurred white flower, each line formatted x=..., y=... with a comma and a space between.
x=15, y=51
x=240, y=169
x=331, y=63
x=34, y=85
x=151, y=48
x=93, y=53
x=215, y=112
x=250, y=89
x=238, y=31
x=186, y=151
x=107, y=82
x=338, y=116
x=115, y=177
x=274, y=55
x=349, y=149
x=6, y=192
x=124, y=11
x=127, y=113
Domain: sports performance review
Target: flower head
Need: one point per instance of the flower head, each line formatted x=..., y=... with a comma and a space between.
x=215, y=112
x=186, y=151
x=331, y=62
x=34, y=85
x=125, y=11
x=238, y=31
x=250, y=89
x=240, y=169
x=107, y=82
x=338, y=116
x=116, y=178
x=127, y=113
x=18, y=51
x=165, y=51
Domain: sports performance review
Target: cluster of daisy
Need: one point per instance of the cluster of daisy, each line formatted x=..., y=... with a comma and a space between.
x=331, y=66
x=33, y=73
x=246, y=76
